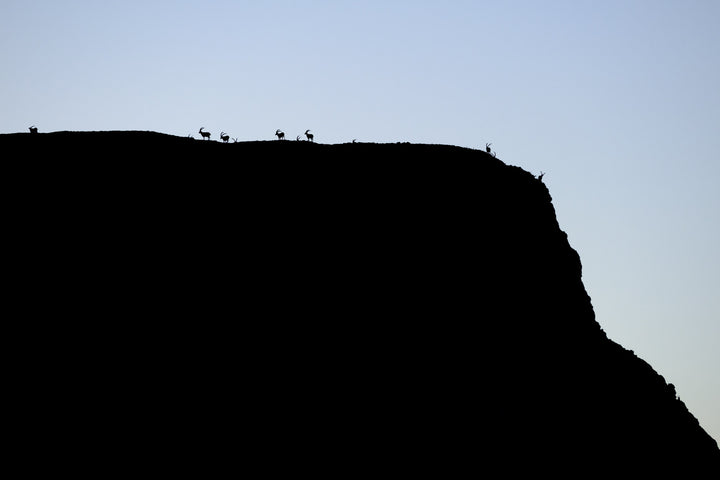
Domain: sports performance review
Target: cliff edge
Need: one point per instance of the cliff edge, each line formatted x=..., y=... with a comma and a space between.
x=352, y=307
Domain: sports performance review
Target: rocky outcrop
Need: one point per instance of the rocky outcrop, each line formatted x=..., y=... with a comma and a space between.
x=361, y=307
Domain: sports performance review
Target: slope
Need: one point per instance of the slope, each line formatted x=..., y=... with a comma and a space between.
x=346, y=307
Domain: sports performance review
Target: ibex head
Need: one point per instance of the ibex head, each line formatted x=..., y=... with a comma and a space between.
x=33, y=129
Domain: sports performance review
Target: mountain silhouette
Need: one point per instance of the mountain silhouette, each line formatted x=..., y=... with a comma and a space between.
x=359, y=307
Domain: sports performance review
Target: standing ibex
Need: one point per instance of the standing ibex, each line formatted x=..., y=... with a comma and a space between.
x=205, y=135
x=224, y=137
x=33, y=129
x=309, y=135
x=280, y=134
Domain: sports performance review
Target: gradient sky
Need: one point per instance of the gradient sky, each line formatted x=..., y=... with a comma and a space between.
x=617, y=101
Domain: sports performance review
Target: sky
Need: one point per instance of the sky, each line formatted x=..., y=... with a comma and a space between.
x=618, y=102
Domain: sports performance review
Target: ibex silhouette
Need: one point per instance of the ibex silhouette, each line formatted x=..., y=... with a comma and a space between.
x=33, y=129
x=489, y=150
x=224, y=137
x=205, y=135
x=280, y=134
x=309, y=135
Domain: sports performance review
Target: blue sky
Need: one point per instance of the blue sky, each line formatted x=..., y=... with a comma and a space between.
x=617, y=101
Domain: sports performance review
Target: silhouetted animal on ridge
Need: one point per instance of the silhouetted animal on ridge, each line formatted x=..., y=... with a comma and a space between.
x=309, y=135
x=224, y=137
x=280, y=134
x=33, y=129
x=205, y=135
x=489, y=150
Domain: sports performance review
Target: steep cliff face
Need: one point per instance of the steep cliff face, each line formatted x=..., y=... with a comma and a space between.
x=360, y=306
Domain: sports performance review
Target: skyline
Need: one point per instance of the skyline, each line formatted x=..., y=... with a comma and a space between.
x=616, y=102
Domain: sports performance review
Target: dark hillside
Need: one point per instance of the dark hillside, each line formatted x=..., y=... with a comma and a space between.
x=336, y=308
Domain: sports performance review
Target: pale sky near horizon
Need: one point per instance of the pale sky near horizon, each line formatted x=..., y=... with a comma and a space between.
x=617, y=101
